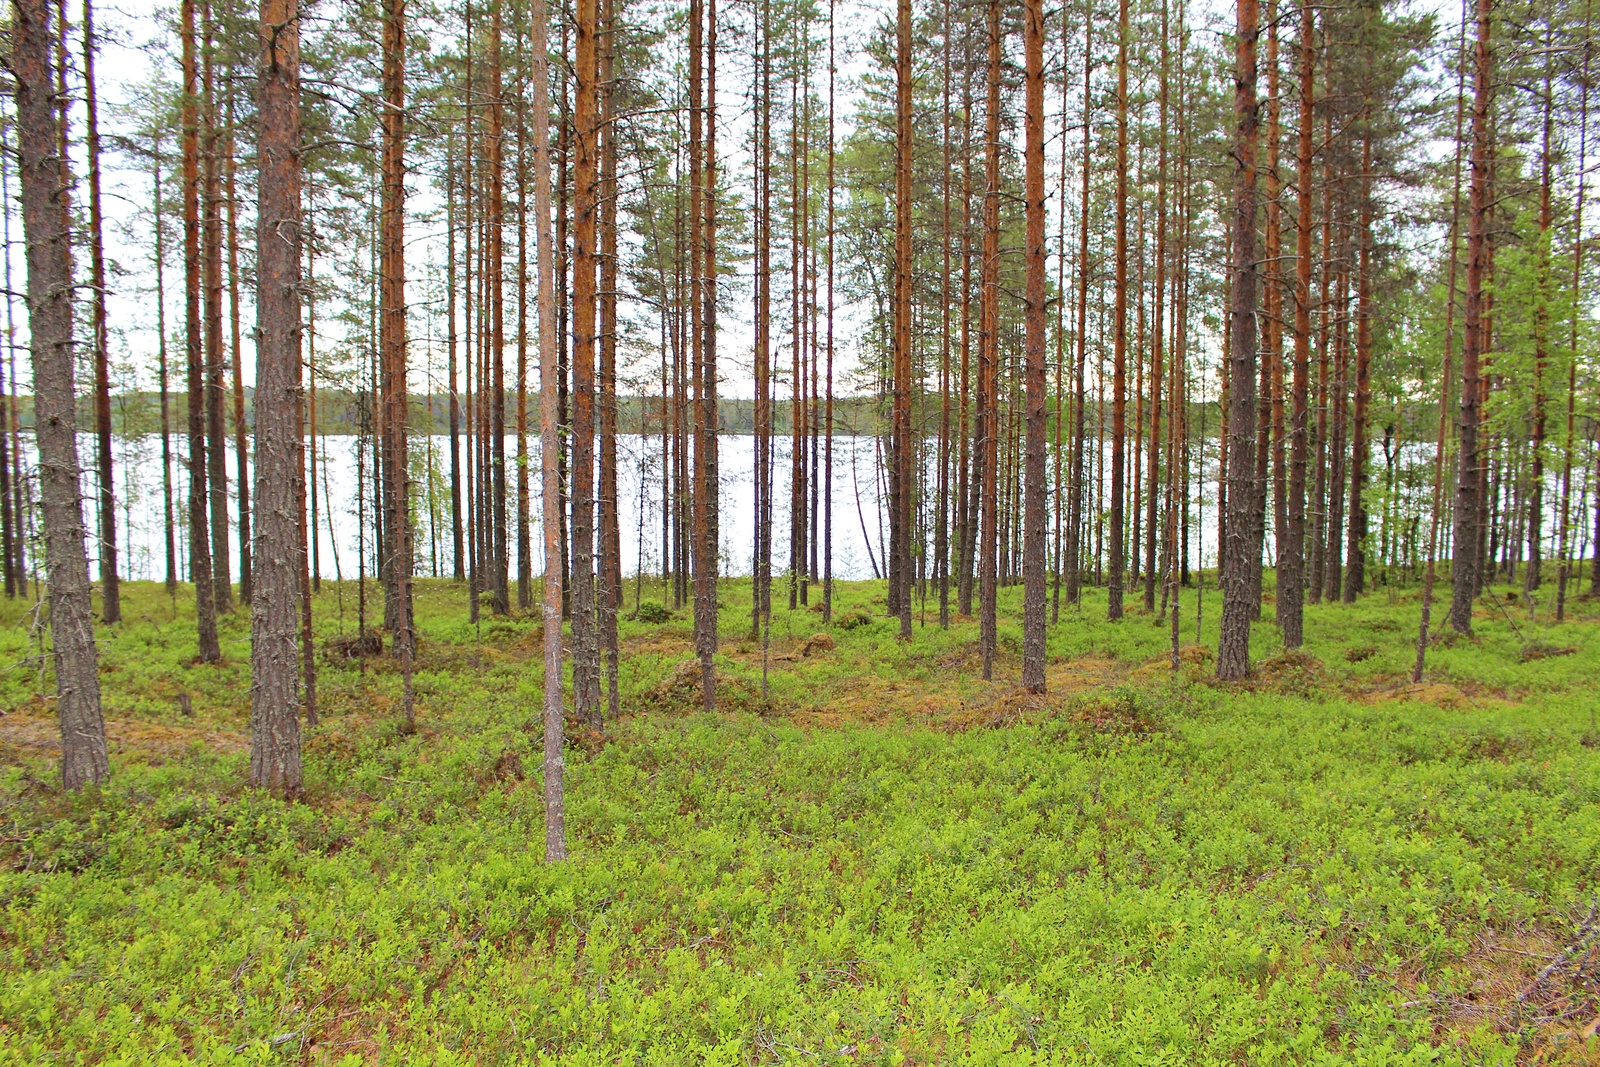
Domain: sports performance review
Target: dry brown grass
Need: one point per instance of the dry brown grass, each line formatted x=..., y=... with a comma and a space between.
x=31, y=732
x=1529, y=980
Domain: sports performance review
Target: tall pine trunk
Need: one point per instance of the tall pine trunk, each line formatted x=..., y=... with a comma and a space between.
x=240, y=429
x=211, y=238
x=1033, y=519
x=703, y=249
x=524, y=513
x=610, y=593
x=900, y=484
x=761, y=598
x=274, y=609
x=1541, y=342
x=1291, y=560
x=110, y=595
x=1075, y=494
x=1233, y=648
x=1356, y=535
x=497, y=541
x=585, y=201
x=200, y=569
x=1119, y=370
x=48, y=236
x=1465, y=564
x=1572, y=365
x=988, y=358
x=392, y=345
x=827, y=462
x=555, y=834
x=159, y=256
x=1157, y=335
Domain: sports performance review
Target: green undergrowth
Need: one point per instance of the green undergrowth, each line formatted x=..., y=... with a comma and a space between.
x=885, y=860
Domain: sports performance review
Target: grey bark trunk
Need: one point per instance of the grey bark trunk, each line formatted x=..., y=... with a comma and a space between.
x=1233, y=646
x=1033, y=519
x=274, y=608
x=555, y=833
x=44, y=218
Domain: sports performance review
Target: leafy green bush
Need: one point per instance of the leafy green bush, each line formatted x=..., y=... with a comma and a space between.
x=650, y=612
x=852, y=618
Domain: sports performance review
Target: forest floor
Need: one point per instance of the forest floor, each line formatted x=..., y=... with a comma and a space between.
x=886, y=860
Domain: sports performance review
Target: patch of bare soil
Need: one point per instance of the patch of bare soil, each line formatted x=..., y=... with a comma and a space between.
x=664, y=643
x=31, y=732
x=1009, y=709
x=1540, y=650
x=1194, y=666
x=1451, y=696
x=1012, y=706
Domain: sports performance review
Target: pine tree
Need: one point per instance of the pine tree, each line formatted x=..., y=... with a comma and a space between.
x=274, y=611
x=199, y=524
x=1233, y=649
x=1033, y=522
x=1466, y=565
x=110, y=597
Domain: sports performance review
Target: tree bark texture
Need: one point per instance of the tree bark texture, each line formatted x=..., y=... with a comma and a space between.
x=1233, y=648
x=274, y=609
x=46, y=230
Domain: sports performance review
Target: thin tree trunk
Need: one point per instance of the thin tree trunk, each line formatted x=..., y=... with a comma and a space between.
x=11, y=518
x=968, y=449
x=392, y=344
x=472, y=476
x=1033, y=520
x=215, y=359
x=703, y=248
x=941, y=529
x=988, y=356
x=1355, y=549
x=1119, y=382
x=1075, y=494
x=1572, y=366
x=458, y=554
x=1541, y=343
x=1157, y=331
x=240, y=451
x=168, y=528
x=900, y=491
x=498, y=542
x=200, y=568
x=797, y=466
x=1291, y=557
x=610, y=593
x=314, y=559
x=110, y=595
x=585, y=638
x=761, y=598
x=1333, y=568
x=524, y=542
x=555, y=834
x=706, y=477
x=827, y=466
x=1465, y=565
x=1272, y=328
